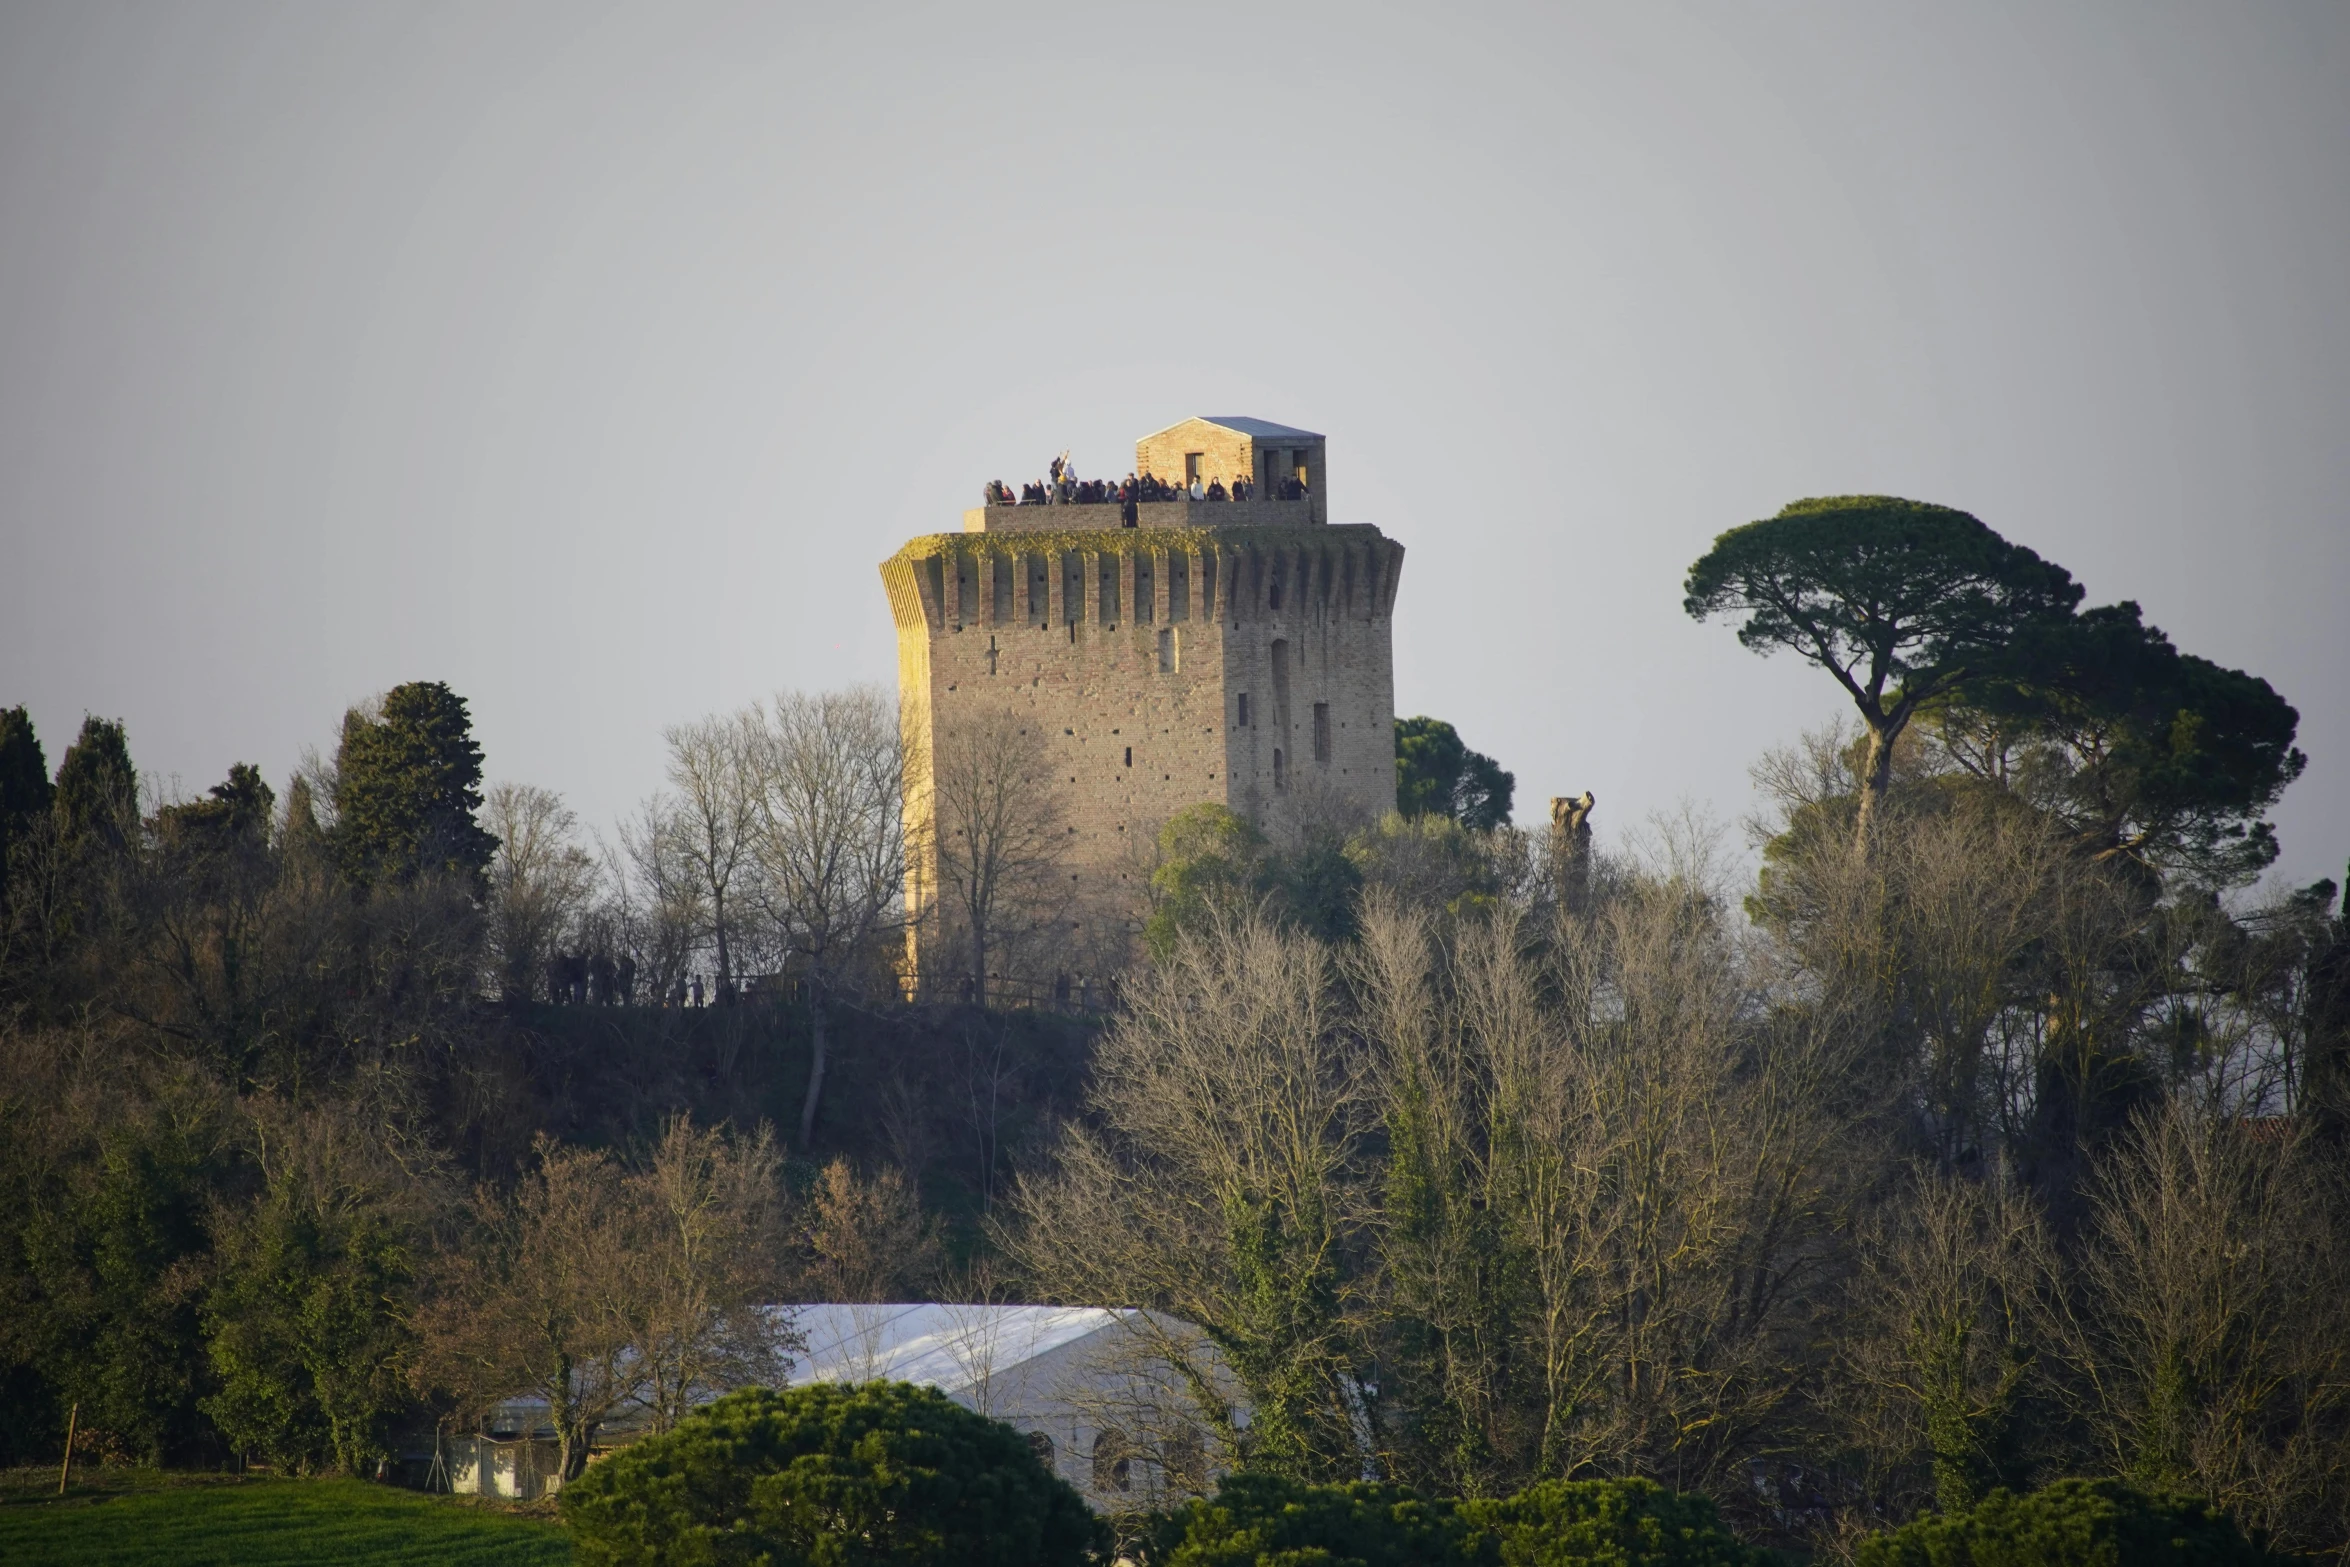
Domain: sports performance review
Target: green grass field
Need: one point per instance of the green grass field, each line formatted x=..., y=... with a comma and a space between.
x=143, y=1519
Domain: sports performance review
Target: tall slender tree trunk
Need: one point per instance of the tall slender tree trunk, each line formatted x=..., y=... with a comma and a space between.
x=725, y=964
x=818, y=1049
x=1876, y=779
x=979, y=960
x=570, y=1430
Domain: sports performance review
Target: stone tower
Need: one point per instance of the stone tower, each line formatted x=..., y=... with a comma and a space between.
x=1228, y=651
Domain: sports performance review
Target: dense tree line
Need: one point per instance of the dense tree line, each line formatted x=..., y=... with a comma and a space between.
x=1992, y=1133
x=304, y=1150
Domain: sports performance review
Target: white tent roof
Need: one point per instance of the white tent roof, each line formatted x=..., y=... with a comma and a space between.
x=943, y=1346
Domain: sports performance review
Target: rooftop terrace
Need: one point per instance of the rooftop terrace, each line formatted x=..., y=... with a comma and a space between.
x=1147, y=514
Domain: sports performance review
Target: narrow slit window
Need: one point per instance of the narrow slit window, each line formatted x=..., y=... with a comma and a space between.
x=1280, y=771
x=1321, y=731
x=1130, y=756
x=1167, y=651
x=1243, y=721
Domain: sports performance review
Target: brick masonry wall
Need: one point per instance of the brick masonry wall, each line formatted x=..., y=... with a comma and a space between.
x=1127, y=652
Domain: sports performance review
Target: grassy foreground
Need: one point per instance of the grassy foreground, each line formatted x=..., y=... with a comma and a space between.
x=143, y=1519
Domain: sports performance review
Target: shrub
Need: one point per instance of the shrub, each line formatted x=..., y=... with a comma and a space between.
x=1609, y=1523
x=1256, y=1518
x=1258, y=1521
x=828, y=1476
x=2073, y=1523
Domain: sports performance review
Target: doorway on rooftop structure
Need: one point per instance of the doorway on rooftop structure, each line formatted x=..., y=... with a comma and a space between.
x=1191, y=466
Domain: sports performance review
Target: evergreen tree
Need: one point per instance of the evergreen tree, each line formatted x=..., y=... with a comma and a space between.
x=1903, y=602
x=97, y=798
x=231, y=812
x=2147, y=753
x=1436, y=774
x=24, y=786
x=408, y=782
x=827, y=1476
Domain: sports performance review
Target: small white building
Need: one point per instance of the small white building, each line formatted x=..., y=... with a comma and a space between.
x=521, y=1466
x=1131, y=1407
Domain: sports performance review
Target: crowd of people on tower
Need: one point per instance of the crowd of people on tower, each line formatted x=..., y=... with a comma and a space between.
x=1064, y=488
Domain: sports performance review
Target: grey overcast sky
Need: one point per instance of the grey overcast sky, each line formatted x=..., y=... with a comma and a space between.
x=589, y=358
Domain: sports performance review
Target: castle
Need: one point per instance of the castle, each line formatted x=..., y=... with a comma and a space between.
x=1116, y=663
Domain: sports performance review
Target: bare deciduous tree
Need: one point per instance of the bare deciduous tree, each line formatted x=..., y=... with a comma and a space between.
x=1944, y=1342
x=605, y=1289
x=830, y=842
x=715, y=1225
x=2211, y=1328
x=541, y=880
x=714, y=823
x=672, y=897
x=543, y=1299
x=997, y=838
x=1222, y=1183
x=867, y=1238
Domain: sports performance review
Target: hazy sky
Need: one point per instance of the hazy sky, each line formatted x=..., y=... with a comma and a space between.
x=590, y=358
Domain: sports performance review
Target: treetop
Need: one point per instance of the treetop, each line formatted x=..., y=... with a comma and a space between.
x=1880, y=590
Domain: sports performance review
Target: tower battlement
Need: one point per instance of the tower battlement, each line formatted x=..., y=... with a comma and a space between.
x=1229, y=652
x=1103, y=577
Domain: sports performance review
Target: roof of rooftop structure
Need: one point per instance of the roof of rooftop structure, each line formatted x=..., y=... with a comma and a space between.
x=1263, y=429
x=943, y=1346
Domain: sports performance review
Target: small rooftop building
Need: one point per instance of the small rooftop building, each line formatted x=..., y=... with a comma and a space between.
x=1232, y=446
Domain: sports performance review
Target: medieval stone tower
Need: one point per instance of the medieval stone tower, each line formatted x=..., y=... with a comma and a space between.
x=1209, y=650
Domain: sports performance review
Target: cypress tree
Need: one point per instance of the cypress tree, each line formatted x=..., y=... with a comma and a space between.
x=24, y=785
x=97, y=799
x=408, y=782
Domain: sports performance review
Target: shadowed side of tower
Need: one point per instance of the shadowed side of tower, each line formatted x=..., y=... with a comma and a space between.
x=1232, y=652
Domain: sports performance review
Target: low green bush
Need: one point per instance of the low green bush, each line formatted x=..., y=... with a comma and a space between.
x=2072, y=1523
x=1609, y=1523
x=1257, y=1521
x=829, y=1476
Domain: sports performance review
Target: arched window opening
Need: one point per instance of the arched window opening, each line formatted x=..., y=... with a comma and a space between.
x=1185, y=1461
x=1113, y=1461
